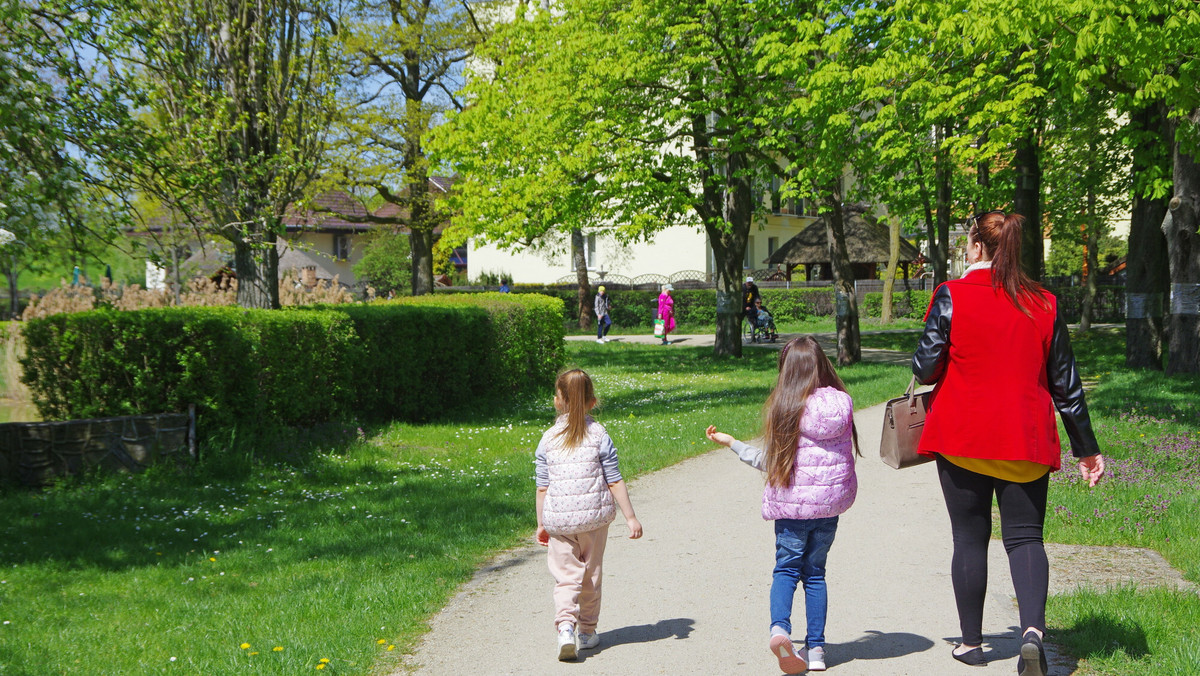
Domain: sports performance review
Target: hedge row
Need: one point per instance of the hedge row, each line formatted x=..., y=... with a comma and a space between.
x=405, y=360
x=909, y=304
x=693, y=307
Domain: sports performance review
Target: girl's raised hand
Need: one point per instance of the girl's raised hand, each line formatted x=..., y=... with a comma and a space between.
x=718, y=437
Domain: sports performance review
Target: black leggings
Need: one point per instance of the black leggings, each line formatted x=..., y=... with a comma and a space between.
x=1022, y=515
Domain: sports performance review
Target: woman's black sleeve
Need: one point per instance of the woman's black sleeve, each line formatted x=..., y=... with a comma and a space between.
x=1066, y=389
x=929, y=361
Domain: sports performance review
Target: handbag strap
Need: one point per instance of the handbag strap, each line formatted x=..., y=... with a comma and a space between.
x=911, y=392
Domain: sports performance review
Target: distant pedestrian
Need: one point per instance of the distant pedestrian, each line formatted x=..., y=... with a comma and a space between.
x=808, y=455
x=998, y=348
x=666, y=311
x=578, y=482
x=603, y=305
x=750, y=294
x=504, y=288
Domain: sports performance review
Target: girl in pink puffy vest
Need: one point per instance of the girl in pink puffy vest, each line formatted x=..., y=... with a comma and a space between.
x=810, y=440
x=579, y=485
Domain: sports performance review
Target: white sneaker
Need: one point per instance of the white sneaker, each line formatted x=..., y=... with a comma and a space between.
x=599, y=340
x=568, y=644
x=816, y=659
x=588, y=641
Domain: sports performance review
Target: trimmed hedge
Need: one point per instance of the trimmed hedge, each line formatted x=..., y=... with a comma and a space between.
x=693, y=307
x=406, y=360
x=909, y=304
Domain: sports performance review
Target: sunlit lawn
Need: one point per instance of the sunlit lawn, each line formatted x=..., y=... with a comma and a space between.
x=341, y=550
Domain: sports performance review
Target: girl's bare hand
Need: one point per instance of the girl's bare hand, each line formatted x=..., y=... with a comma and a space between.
x=718, y=437
x=542, y=537
x=1092, y=468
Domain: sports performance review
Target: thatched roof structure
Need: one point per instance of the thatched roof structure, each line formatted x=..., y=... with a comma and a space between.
x=866, y=242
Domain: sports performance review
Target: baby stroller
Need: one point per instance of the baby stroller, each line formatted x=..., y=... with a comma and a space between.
x=760, y=325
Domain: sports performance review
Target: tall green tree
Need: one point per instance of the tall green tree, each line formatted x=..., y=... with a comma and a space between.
x=404, y=60
x=1147, y=53
x=238, y=98
x=623, y=118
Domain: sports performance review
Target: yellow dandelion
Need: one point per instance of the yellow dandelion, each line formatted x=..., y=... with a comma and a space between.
x=211, y=559
x=254, y=653
x=381, y=641
x=321, y=666
x=244, y=646
x=391, y=647
x=278, y=648
x=324, y=660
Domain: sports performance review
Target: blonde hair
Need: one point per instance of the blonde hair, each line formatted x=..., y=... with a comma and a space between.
x=803, y=367
x=574, y=388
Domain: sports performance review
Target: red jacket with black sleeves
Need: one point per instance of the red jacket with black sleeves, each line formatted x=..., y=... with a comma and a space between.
x=1000, y=376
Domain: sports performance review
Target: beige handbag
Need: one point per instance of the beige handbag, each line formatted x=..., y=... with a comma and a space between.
x=903, y=422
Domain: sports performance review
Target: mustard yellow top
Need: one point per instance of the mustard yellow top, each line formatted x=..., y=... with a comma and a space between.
x=1016, y=471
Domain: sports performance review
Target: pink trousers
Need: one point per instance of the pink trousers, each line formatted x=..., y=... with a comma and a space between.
x=575, y=562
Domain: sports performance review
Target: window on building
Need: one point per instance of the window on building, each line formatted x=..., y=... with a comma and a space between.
x=590, y=254
x=772, y=246
x=341, y=247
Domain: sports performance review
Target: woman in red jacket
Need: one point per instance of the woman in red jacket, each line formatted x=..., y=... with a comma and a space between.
x=1000, y=354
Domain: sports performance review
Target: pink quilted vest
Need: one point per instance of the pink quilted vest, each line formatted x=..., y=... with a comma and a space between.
x=823, y=480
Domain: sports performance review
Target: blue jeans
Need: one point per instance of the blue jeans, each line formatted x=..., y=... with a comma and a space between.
x=602, y=326
x=801, y=548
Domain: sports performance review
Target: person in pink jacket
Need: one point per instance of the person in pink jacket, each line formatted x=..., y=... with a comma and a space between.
x=810, y=441
x=666, y=311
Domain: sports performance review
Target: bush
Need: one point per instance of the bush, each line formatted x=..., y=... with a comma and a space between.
x=909, y=304
x=693, y=307
x=407, y=360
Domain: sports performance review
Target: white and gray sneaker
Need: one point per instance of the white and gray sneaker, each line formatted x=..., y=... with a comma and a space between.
x=568, y=644
x=816, y=659
x=588, y=641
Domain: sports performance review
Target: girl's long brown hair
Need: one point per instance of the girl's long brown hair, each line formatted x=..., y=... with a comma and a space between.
x=1000, y=234
x=578, y=396
x=803, y=367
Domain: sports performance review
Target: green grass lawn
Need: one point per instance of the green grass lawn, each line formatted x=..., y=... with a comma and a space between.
x=344, y=547
x=342, y=551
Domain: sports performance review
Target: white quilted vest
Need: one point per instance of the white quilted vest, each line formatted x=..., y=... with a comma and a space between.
x=578, y=499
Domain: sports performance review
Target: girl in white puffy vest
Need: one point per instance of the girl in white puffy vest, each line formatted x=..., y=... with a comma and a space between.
x=808, y=431
x=578, y=482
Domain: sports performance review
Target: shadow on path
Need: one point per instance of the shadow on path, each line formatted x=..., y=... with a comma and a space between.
x=678, y=628
x=878, y=645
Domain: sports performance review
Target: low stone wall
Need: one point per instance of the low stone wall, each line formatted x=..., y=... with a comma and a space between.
x=35, y=453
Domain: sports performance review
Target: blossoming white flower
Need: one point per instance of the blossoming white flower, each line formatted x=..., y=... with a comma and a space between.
x=6, y=236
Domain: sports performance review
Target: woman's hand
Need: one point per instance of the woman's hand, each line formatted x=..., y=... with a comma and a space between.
x=718, y=437
x=1092, y=468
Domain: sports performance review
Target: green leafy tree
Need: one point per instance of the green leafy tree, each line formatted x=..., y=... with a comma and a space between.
x=1146, y=53
x=622, y=118
x=239, y=97
x=386, y=263
x=404, y=61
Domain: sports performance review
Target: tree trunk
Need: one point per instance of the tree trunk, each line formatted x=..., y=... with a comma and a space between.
x=1027, y=201
x=1146, y=266
x=1092, y=240
x=422, y=218
x=1183, y=251
x=14, y=294
x=943, y=177
x=849, y=349
x=587, y=313
x=257, y=273
x=421, y=243
x=889, y=279
x=927, y=206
